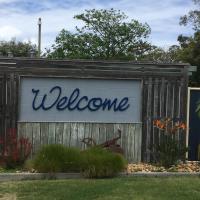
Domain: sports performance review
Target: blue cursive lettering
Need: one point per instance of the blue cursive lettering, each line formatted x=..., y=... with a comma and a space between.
x=76, y=102
x=44, y=99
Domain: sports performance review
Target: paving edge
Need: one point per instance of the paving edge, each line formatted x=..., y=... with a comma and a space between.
x=41, y=176
x=37, y=176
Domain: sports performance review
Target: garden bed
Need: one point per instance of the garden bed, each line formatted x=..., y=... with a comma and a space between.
x=139, y=169
x=189, y=166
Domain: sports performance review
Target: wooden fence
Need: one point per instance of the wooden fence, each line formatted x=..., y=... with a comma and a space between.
x=164, y=94
x=71, y=134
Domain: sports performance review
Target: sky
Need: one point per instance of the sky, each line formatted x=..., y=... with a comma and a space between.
x=18, y=18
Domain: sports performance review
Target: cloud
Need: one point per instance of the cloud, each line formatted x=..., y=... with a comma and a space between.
x=18, y=18
x=8, y=32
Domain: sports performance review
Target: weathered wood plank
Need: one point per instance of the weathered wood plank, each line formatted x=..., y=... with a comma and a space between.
x=44, y=133
x=155, y=139
x=36, y=142
x=22, y=130
x=109, y=131
x=52, y=133
x=102, y=133
x=80, y=135
x=87, y=132
x=95, y=132
x=67, y=134
x=129, y=142
x=74, y=133
x=149, y=119
x=138, y=141
x=59, y=132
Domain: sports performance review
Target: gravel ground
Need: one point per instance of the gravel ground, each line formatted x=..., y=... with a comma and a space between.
x=190, y=166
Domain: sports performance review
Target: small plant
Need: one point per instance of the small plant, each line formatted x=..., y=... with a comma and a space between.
x=101, y=163
x=169, y=151
x=13, y=150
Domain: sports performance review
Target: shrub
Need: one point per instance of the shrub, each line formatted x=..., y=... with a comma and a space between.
x=57, y=158
x=13, y=150
x=100, y=163
x=50, y=158
x=73, y=159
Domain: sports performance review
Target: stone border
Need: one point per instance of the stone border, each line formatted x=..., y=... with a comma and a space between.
x=37, y=176
x=41, y=176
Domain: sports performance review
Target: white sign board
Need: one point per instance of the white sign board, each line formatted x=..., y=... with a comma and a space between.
x=80, y=100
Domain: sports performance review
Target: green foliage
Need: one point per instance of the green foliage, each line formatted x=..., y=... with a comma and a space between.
x=56, y=158
x=106, y=35
x=190, y=52
x=193, y=17
x=95, y=162
x=168, y=152
x=50, y=158
x=190, y=46
x=101, y=163
x=17, y=48
x=73, y=159
x=160, y=55
x=29, y=165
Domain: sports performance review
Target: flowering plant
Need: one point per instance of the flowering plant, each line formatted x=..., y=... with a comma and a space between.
x=169, y=125
x=169, y=150
x=13, y=150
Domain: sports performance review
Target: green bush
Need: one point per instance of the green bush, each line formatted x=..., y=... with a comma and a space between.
x=100, y=163
x=95, y=162
x=73, y=160
x=57, y=158
x=50, y=158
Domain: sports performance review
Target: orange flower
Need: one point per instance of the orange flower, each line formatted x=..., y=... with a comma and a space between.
x=182, y=125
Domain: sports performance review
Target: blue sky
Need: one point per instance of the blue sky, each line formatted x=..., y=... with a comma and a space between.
x=18, y=18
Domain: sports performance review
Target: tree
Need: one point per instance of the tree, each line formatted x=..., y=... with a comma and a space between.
x=159, y=55
x=190, y=46
x=190, y=52
x=193, y=17
x=17, y=48
x=105, y=35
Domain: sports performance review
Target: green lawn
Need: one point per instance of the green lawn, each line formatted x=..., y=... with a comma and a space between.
x=137, y=188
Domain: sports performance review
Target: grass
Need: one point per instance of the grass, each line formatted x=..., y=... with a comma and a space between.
x=136, y=188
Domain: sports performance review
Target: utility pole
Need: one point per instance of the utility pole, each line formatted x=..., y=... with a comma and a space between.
x=39, y=36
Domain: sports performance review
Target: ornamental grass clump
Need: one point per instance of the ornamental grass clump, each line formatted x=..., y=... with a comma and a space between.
x=169, y=150
x=57, y=158
x=101, y=163
x=73, y=159
x=50, y=158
